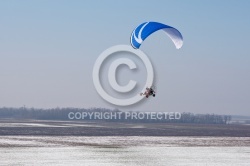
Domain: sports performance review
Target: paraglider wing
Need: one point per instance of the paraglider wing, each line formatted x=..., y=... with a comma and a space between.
x=141, y=32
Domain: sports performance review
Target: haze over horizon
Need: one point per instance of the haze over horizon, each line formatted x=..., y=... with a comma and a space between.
x=48, y=49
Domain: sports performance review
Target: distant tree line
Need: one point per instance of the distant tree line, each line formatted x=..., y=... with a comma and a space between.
x=205, y=118
x=63, y=114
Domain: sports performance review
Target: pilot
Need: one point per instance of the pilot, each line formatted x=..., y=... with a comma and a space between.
x=151, y=91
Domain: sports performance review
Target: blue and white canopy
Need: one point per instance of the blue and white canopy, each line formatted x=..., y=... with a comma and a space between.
x=145, y=29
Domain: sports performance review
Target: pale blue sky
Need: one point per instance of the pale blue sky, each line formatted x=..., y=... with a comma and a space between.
x=48, y=48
